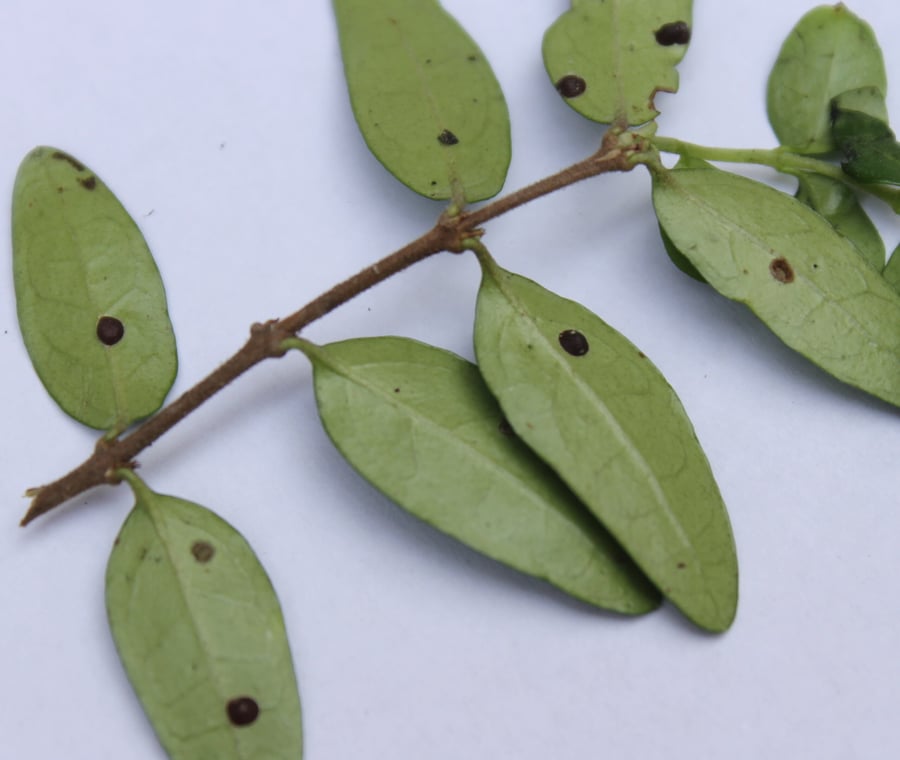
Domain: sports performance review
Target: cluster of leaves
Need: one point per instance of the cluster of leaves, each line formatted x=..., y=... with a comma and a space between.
x=562, y=452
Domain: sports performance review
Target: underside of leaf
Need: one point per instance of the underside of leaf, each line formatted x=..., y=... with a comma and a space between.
x=593, y=407
x=420, y=425
x=424, y=97
x=807, y=282
x=609, y=58
x=90, y=300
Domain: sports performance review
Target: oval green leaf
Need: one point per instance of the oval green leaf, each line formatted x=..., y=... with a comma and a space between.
x=809, y=284
x=201, y=635
x=828, y=52
x=424, y=97
x=593, y=407
x=840, y=206
x=90, y=300
x=609, y=58
x=419, y=424
x=870, y=151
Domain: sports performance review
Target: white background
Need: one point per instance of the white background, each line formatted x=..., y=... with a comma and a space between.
x=225, y=129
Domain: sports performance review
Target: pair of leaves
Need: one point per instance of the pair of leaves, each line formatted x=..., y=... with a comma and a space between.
x=587, y=403
x=830, y=52
x=90, y=300
x=432, y=111
x=609, y=58
x=809, y=284
x=200, y=633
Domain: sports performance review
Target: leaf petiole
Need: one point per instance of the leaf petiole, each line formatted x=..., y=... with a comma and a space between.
x=780, y=159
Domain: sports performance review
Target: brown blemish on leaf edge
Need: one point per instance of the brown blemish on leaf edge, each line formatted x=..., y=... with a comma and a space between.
x=60, y=156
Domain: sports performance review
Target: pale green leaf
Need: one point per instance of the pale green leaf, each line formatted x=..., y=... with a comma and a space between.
x=840, y=206
x=82, y=270
x=609, y=58
x=828, y=52
x=425, y=98
x=593, y=407
x=809, y=284
x=892, y=270
x=201, y=635
x=420, y=425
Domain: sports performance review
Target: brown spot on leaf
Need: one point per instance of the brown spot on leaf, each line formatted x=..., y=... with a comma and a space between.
x=203, y=551
x=676, y=33
x=109, y=330
x=242, y=711
x=60, y=156
x=571, y=86
x=88, y=183
x=447, y=138
x=781, y=270
x=681, y=565
x=573, y=342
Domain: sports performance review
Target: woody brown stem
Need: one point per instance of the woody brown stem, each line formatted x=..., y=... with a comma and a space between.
x=266, y=339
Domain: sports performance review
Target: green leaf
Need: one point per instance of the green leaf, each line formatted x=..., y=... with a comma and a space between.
x=809, y=284
x=609, y=58
x=840, y=206
x=420, y=425
x=425, y=98
x=870, y=151
x=593, y=407
x=828, y=52
x=200, y=632
x=892, y=270
x=83, y=274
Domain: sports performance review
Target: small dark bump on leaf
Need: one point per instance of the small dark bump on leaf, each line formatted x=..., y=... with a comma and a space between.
x=505, y=428
x=110, y=330
x=60, y=156
x=573, y=342
x=447, y=138
x=242, y=711
x=88, y=183
x=571, y=86
x=676, y=33
x=781, y=270
x=203, y=551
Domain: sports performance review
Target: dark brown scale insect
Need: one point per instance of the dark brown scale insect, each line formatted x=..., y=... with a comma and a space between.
x=203, y=551
x=571, y=86
x=242, y=711
x=573, y=342
x=447, y=138
x=676, y=33
x=110, y=330
x=781, y=270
